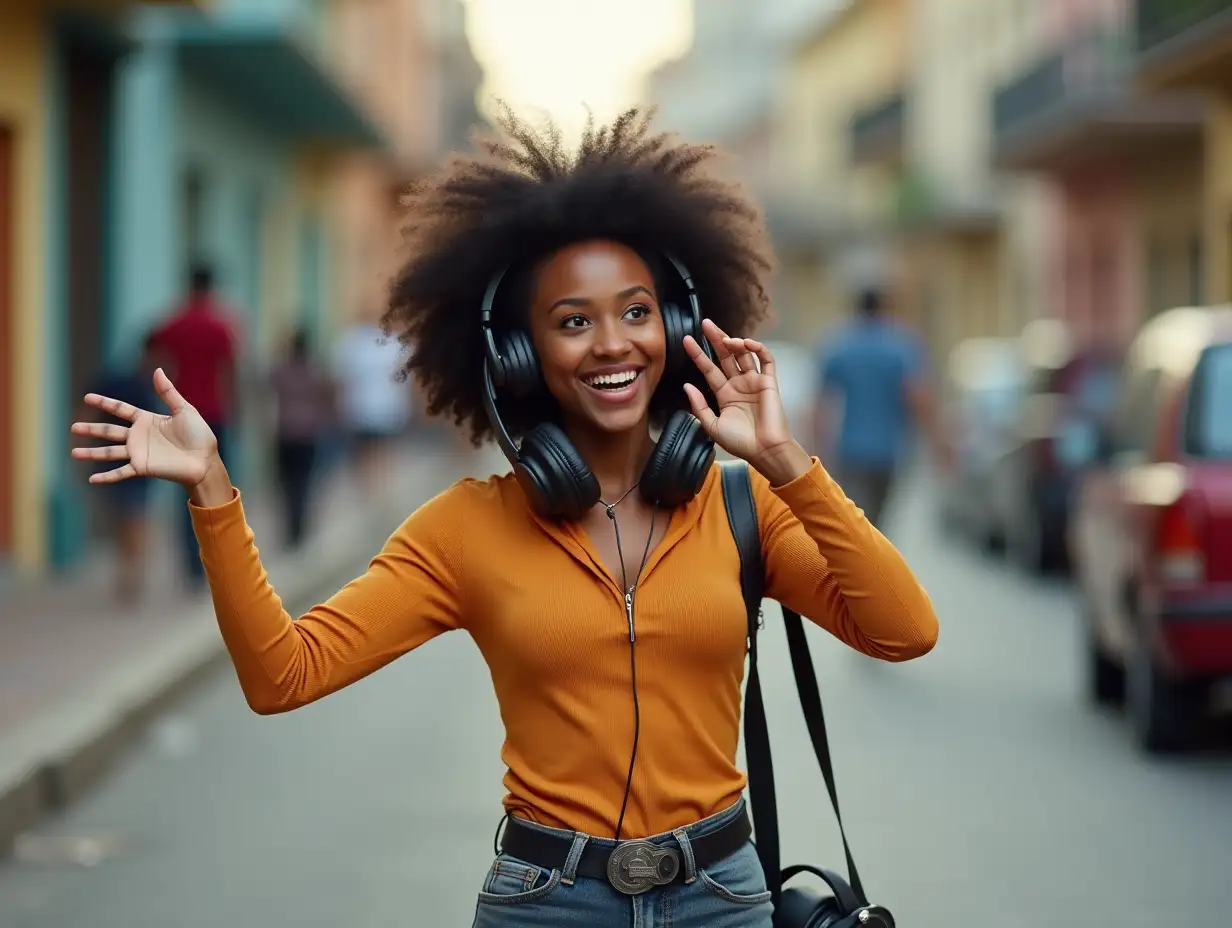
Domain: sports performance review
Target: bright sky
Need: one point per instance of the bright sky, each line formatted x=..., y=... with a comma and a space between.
x=560, y=56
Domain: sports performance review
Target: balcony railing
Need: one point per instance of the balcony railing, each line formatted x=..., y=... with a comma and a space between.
x=1160, y=21
x=1085, y=70
x=878, y=131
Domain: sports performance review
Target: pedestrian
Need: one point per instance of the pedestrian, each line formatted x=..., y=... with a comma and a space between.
x=201, y=347
x=128, y=502
x=304, y=398
x=599, y=580
x=874, y=370
x=373, y=405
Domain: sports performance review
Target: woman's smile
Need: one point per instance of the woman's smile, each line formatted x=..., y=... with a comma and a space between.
x=615, y=384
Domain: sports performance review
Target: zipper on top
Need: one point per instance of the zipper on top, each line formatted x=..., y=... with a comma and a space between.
x=629, y=612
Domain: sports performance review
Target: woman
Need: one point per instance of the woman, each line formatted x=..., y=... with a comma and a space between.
x=615, y=634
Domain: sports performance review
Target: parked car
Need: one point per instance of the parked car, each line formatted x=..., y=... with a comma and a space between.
x=1152, y=530
x=985, y=378
x=1067, y=397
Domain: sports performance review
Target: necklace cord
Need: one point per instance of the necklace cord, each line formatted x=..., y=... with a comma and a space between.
x=631, y=592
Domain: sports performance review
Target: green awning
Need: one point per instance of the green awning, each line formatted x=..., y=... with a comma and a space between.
x=263, y=70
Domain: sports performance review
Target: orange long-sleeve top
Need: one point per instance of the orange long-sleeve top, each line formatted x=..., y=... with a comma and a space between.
x=550, y=621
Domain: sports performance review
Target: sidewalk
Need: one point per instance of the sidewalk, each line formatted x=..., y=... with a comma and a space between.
x=80, y=675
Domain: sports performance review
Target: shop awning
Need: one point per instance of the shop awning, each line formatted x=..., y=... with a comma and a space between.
x=263, y=70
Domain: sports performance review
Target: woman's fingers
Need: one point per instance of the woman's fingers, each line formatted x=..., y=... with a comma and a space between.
x=114, y=407
x=718, y=341
x=701, y=409
x=105, y=453
x=124, y=472
x=166, y=389
x=764, y=357
x=743, y=353
x=105, y=430
x=715, y=378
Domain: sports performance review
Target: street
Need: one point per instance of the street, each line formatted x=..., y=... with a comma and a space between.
x=979, y=789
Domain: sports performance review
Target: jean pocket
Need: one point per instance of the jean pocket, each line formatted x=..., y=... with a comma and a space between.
x=737, y=877
x=512, y=882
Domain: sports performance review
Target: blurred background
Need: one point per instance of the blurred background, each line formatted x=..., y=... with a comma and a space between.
x=1037, y=196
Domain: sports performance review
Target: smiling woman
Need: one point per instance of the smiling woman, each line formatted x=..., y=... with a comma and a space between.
x=613, y=621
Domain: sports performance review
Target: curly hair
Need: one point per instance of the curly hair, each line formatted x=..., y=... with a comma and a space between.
x=523, y=198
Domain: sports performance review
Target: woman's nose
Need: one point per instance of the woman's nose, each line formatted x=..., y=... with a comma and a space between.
x=611, y=340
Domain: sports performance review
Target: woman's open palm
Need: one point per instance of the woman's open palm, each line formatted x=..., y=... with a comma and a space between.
x=179, y=447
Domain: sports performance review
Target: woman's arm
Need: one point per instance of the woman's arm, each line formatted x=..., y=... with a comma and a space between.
x=825, y=560
x=409, y=595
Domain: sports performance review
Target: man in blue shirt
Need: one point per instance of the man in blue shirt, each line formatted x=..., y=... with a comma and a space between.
x=876, y=369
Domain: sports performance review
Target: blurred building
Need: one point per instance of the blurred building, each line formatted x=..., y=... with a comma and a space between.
x=724, y=90
x=1126, y=167
x=839, y=150
x=995, y=161
x=1187, y=48
x=265, y=137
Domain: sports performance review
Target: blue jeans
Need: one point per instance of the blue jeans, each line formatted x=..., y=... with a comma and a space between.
x=730, y=894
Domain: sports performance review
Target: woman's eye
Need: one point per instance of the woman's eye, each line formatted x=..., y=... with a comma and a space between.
x=574, y=322
x=638, y=311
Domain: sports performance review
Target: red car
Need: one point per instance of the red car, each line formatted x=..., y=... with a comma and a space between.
x=1151, y=536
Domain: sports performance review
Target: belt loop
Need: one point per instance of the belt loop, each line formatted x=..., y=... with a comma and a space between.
x=569, y=874
x=690, y=866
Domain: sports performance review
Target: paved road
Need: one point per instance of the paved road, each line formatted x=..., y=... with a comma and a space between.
x=980, y=791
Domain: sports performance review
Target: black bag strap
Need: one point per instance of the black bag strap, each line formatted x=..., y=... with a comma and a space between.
x=742, y=514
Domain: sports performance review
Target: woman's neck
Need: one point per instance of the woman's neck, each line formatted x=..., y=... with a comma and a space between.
x=616, y=460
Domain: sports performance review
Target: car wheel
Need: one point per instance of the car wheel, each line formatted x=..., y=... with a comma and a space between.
x=1163, y=712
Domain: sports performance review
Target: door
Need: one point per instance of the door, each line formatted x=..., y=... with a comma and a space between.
x=88, y=77
x=7, y=351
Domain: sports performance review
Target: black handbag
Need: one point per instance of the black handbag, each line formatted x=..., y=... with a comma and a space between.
x=846, y=905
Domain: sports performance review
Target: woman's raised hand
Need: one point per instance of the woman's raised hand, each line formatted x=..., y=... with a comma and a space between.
x=751, y=423
x=179, y=447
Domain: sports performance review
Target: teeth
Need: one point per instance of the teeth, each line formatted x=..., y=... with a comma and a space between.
x=613, y=380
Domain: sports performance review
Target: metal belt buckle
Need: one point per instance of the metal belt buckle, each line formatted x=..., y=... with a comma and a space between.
x=636, y=866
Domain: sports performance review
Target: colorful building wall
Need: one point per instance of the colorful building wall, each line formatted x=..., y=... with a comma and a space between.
x=24, y=115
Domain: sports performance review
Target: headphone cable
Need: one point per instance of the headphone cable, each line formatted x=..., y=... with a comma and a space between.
x=630, y=594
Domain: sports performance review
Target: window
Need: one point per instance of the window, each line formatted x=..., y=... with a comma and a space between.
x=1208, y=422
x=1195, y=269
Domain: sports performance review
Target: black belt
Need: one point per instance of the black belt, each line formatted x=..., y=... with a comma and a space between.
x=631, y=866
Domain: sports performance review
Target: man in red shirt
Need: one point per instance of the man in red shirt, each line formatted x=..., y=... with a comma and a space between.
x=199, y=347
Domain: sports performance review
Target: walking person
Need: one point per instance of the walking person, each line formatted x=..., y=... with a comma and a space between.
x=305, y=402
x=557, y=307
x=374, y=407
x=201, y=346
x=874, y=370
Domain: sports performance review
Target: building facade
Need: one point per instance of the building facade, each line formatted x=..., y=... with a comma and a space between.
x=266, y=138
x=58, y=62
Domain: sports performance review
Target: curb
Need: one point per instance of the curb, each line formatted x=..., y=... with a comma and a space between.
x=62, y=754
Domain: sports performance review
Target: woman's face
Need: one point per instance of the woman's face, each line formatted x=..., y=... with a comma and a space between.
x=595, y=323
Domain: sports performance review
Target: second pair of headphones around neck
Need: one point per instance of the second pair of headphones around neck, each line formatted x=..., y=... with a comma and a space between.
x=549, y=468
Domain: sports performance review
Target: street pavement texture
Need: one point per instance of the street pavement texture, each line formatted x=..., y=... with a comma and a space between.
x=979, y=789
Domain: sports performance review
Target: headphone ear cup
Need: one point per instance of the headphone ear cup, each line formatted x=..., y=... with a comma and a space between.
x=677, y=323
x=519, y=367
x=678, y=465
x=554, y=475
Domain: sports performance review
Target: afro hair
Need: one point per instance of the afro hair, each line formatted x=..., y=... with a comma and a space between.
x=524, y=197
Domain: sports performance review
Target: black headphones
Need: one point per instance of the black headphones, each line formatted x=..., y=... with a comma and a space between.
x=548, y=466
